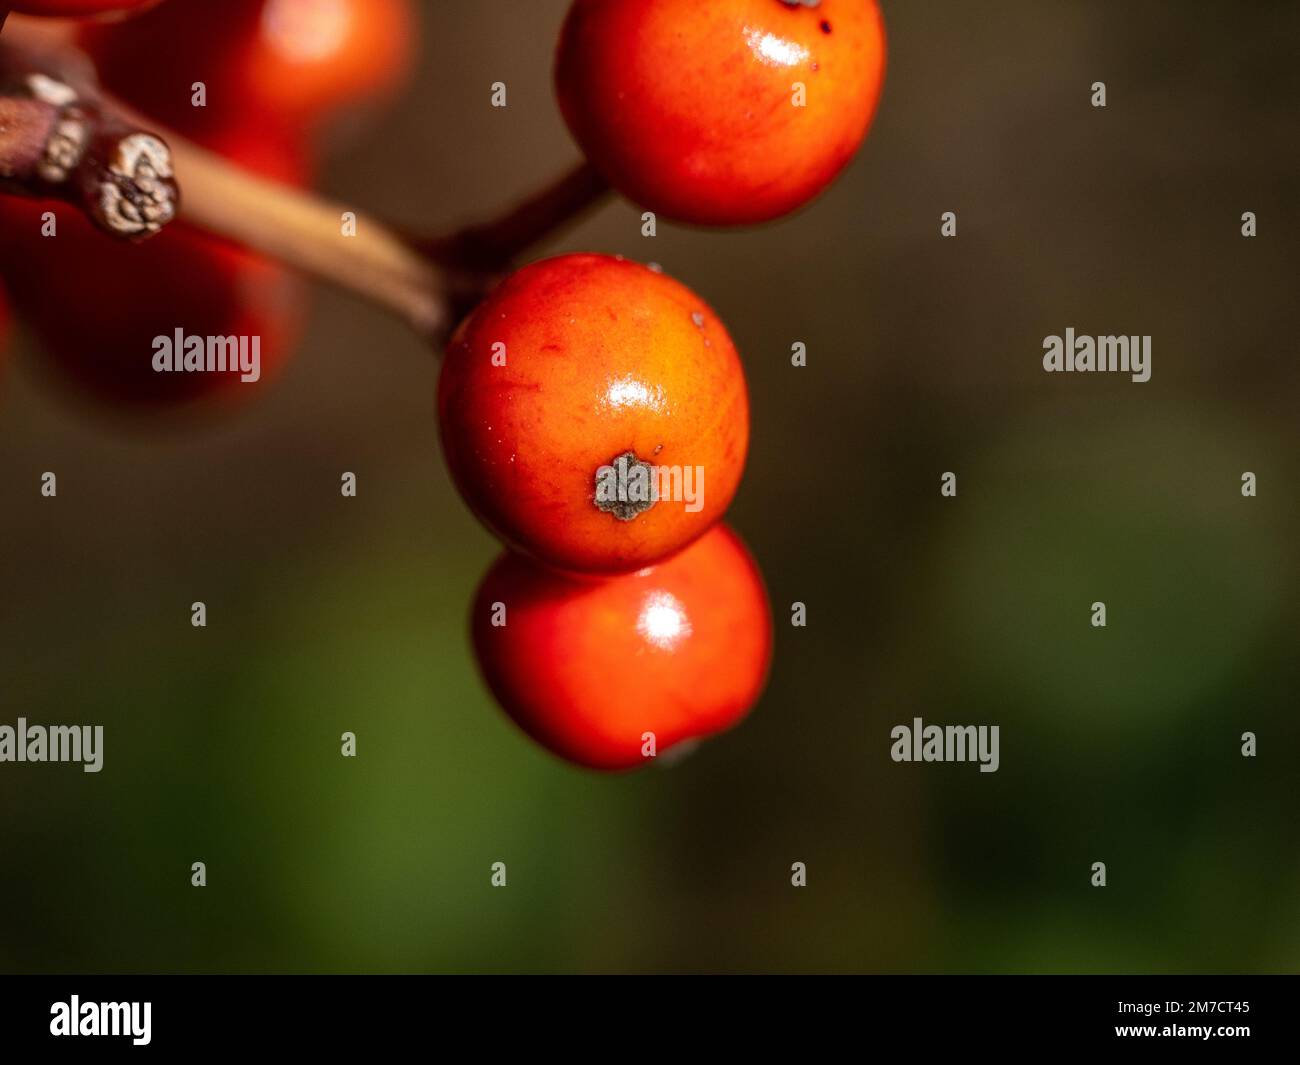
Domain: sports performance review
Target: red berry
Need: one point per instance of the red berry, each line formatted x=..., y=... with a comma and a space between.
x=588, y=666
x=96, y=306
x=577, y=383
x=77, y=8
x=692, y=109
x=286, y=62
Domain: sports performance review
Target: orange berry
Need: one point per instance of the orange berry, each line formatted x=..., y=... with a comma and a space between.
x=579, y=382
x=723, y=113
x=588, y=667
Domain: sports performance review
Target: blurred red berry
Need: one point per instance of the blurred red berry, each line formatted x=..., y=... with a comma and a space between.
x=588, y=667
x=77, y=8
x=96, y=306
x=722, y=113
x=285, y=62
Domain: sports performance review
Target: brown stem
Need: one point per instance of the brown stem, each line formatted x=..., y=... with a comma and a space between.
x=426, y=280
x=26, y=126
x=56, y=142
x=494, y=245
x=308, y=233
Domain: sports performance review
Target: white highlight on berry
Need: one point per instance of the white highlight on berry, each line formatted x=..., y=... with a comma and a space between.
x=629, y=392
x=776, y=50
x=304, y=30
x=663, y=620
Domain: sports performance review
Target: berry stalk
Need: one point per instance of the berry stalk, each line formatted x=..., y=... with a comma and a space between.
x=307, y=233
x=57, y=142
x=494, y=245
x=424, y=280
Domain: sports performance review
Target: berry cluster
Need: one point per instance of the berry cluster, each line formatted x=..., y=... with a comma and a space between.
x=575, y=403
x=593, y=411
x=582, y=372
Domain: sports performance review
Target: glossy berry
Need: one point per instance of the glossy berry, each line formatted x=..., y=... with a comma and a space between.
x=283, y=62
x=692, y=109
x=78, y=8
x=578, y=384
x=96, y=306
x=587, y=666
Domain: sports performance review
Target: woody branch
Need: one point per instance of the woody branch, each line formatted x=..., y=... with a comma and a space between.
x=61, y=138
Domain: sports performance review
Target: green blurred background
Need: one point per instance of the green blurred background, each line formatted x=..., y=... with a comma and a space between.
x=1118, y=745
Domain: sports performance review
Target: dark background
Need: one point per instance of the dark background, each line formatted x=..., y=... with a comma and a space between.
x=1118, y=745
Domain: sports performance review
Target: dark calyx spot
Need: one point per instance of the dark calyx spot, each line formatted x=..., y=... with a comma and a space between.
x=825, y=26
x=625, y=487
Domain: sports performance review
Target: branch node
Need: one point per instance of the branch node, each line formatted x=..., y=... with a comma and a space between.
x=57, y=141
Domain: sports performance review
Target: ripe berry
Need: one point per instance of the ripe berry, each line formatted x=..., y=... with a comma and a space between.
x=594, y=413
x=588, y=666
x=283, y=62
x=693, y=109
x=96, y=305
x=77, y=8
